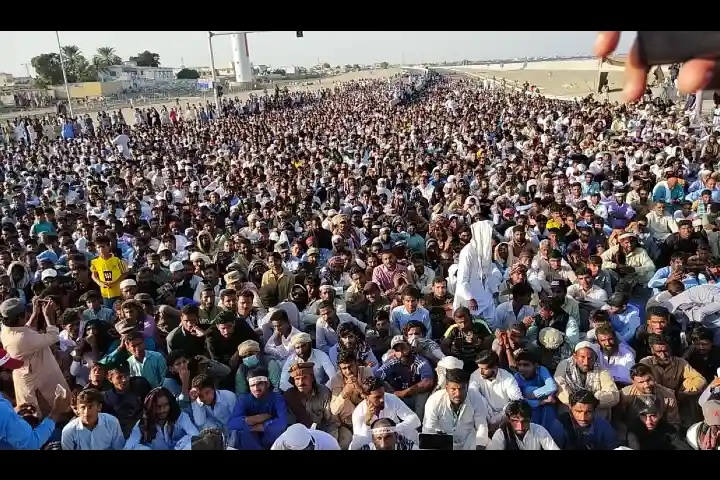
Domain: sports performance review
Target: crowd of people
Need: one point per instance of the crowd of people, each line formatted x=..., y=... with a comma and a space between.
x=423, y=262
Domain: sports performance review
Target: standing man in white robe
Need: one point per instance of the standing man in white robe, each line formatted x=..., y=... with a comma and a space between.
x=476, y=281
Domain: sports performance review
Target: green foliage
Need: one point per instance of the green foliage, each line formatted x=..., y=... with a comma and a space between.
x=188, y=74
x=146, y=59
x=49, y=68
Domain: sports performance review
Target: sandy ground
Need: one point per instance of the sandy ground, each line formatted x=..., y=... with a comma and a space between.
x=327, y=82
x=560, y=83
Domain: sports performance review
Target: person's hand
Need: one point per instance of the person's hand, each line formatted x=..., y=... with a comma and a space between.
x=202, y=359
x=259, y=427
x=528, y=321
x=472, y=304
x=196, y=331
x=348, y=390
x=49, y=310
x=675, y=275
x=193, y=394
x=61, y=405
x=400, y=393
x=369, y=415
x=694, y=75
x=499, y=334
x=184, y=374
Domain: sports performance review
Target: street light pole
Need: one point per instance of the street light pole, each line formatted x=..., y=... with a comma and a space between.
x=64, y=72
x=214, y=74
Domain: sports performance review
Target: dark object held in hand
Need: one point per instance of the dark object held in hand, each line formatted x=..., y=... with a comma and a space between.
x=663, y=48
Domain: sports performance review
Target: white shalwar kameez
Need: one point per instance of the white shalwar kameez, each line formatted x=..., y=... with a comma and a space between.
x=468, y=425
x=475, y=277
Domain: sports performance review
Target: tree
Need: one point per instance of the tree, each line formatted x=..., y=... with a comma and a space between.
x=279, y=71
x=146, y=59
x=105, y=58
x=384, y=65
x=188, y=74
x=326, y=66
x=76, y=65
x=49, y=68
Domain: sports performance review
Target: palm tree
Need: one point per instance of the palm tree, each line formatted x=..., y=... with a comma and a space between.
x=104, y=59
x=73, y=61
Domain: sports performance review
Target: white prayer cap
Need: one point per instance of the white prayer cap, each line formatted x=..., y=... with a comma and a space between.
x=450, y=363
x=296, y=437
x=586, y=344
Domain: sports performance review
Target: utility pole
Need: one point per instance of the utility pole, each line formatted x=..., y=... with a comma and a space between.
x=214, y=74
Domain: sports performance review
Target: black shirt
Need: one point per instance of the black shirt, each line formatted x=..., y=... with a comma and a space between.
x=222, y=349
x=179, y=339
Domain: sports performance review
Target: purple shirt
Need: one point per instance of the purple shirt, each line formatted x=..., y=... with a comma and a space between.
x=149, y=326
x=619, y=214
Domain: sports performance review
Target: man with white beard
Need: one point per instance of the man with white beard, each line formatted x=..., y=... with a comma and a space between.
x=477, y=278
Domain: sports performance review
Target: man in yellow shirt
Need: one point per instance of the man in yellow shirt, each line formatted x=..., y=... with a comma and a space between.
x=279, y=276
x=108, y=271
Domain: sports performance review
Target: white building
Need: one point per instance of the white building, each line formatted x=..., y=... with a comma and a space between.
x=6, y=80
x=130, y=73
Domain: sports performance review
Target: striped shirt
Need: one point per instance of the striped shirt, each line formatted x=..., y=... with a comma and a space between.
x=401, y=376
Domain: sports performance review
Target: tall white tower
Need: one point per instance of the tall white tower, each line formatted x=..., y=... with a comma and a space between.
x=241, y=58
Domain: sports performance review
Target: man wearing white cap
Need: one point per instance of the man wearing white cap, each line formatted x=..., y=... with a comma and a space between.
x=303, y=352
x=299, y=437
x=583, y=371
x=184, y=286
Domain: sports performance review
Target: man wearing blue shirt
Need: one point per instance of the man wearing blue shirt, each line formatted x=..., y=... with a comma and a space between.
x=92, y=430
x=581, y=429
x=16, y=433
x=145, y=363
x=625, y=318
x=410, y=310
x=410, y=375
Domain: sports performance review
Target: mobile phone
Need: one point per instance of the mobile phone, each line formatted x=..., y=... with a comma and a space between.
x=663, y=48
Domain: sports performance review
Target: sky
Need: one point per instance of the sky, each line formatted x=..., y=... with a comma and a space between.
x=285, y=49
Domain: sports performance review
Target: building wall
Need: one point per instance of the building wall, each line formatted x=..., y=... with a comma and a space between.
x=125, y=73
x=6, y=79
x=88, y=89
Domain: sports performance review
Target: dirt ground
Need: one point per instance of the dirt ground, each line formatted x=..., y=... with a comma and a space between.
x=560, y=83
x=327, y=82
